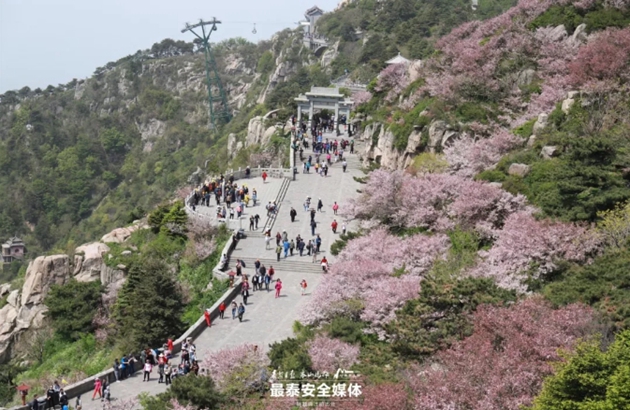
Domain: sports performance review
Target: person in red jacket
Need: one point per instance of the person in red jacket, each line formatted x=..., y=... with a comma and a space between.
x=221, y=310
x=206, y=314
x=264, y=176
x=334, y=225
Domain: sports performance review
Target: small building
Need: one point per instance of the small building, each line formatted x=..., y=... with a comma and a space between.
x=311, y=15
x=398, y=60
x=13, y=249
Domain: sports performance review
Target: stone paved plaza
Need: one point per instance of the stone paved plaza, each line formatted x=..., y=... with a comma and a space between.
x=268, y=319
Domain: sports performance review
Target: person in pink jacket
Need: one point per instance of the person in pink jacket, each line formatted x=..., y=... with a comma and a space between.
x=278, y=287
x=97, y=388
x=147, y=371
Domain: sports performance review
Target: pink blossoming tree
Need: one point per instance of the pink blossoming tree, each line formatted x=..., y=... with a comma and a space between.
x=329, y=355
x=240, y=362
x=501, y=366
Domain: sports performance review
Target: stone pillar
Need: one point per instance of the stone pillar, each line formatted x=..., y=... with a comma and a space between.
x=310, y=116
x=299, y=116
x=336, y=125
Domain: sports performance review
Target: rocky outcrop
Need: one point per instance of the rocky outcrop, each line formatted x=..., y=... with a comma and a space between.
x=519, y=170
x=548, y=151
x=89, y=263
x=41, y=274
x=120, y=235
x=557, y=33
x=384, y=151
x=569, y=101
x=330, y=54
x=540, y=124
x=255, y=130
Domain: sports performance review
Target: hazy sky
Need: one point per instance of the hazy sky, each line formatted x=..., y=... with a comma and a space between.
x=45, y=42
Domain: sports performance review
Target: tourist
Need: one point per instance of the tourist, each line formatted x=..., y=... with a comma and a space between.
x=286, y=246
x=221, y=309
x=303, y=285
x=148, y=368
x=333, y=225
x=234, y=309
x=291, y=247
x=313, y=226
x=167, y=374
x=318, y=243
x=343, y=228
x=293, y=214
x=117, y=370
x=278, y=251
x=278, y=288
x=206, y=315
x=335, y=207
x=264, y=176
x=97, y=388
x=241, y=312
x=320, y=205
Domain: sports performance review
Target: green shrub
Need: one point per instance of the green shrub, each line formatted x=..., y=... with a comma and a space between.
x=341, y=243
x=72, y=307
x=491, y=175
x=527, y=129
x=290, y=354
x=200, y=392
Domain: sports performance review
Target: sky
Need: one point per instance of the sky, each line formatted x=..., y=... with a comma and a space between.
x=44, y=42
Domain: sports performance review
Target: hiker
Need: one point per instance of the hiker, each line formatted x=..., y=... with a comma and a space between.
x=251, y=223
x=97, y=388
x=285, y=236
x=234, y=309
x=267, y=240
x=320, y=205
x=318, y=243
x=333, y=225
x=206, y=315
x=293, y=214
x=309, y=247
x=291, y=247
x=241, y=312
x=278, y=251
x=278, y=288
x=245, y=294
x=335, y=207
x=264, y=176
x=221, y=310
x=303, y=285
x=278, y=238
x=286, y=246
x=313, y=226
x=256, y=219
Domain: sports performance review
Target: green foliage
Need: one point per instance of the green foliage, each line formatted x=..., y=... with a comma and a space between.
x=346, y=329
x=290, y=354
x=590, y=379
x=341, y=243
x=603, y=284
x=170, y=219
x=149, y=306
x=265, y=63
x=595, y=18
x=72, y=307
x=439, y=316
x=526, y=130
x=473, y=111
x=199, y=392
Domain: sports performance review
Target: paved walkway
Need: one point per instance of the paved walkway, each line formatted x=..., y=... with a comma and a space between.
x=268, y=319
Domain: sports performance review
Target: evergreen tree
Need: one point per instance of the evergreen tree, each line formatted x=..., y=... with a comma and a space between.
x=149, y=308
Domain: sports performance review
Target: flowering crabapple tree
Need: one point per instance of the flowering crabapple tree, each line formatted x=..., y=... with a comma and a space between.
x=470, y=155
x=361, y=282
x=361, y=97
x=501, y=366
x=235, y=368
x=437, y=202
x=526, y=247
x=328, y=354
x=393, y=79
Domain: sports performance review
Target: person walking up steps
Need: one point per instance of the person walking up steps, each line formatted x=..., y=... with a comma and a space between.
x=278, y=288
x=278, y=251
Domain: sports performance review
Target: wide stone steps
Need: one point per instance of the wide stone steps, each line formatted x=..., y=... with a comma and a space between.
x=292, y=264
x=279, y=198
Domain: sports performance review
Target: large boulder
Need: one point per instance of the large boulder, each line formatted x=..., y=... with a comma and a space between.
x=519, y=170
x=255, y=131
x=266, y=137
x=540, y=123
x=88, y=261
x=41, y=274
x=120, y=235
x=558, y=33
x=549, y=151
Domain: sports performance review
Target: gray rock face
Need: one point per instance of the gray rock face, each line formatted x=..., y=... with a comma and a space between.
x=519, y=170
x=558, y=33
x=436, y=133
x=549, y=151
x=195, y=177
x=330, y=54
x=152, y=129
x=255, y=131
x=119, y=235
x=541, y=123
x=383, y=150
x=41, y=274
x=231, y=145
x=88, y=261
x=579, y=35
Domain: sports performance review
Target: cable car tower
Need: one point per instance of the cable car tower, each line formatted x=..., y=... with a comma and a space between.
x=222, y=115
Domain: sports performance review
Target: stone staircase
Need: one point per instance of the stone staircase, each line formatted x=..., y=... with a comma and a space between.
x=292, y=264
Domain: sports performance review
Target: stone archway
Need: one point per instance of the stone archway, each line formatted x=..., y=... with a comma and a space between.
x=323, y=98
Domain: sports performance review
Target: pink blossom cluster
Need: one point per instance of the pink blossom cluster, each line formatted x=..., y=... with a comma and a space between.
x=394, y=79
x=501, y=366
x=605, y=59
x=437, y=202
x=220, y=364
x=529, y=246
x=261, y=159
x=175, y=405
x=468, y=155
x=385, y=396
x=362, y=277
x=361, y=97
x=328, y=354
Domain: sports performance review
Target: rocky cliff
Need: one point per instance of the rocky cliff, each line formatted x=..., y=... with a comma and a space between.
x=25, y=312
